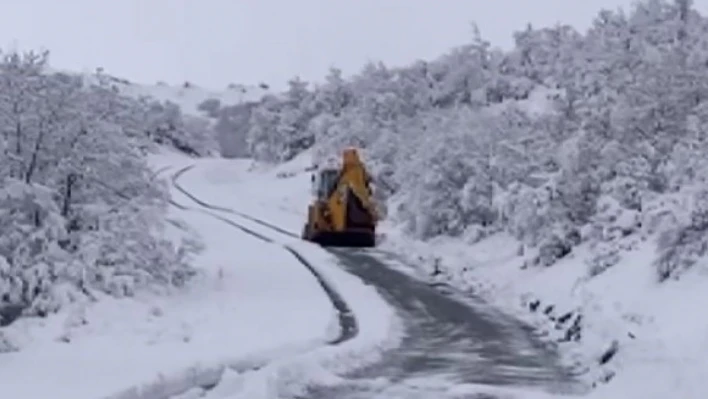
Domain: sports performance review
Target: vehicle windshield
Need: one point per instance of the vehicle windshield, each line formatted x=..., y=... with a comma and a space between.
x=326, y=182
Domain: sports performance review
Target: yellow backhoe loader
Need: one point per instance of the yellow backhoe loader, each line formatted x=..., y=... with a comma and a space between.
x=342, y=213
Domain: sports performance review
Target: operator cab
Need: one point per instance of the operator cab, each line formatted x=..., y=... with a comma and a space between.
x=324, y=182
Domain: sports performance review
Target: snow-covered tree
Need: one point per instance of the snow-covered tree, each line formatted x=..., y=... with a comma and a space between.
x=165, y=124
x=79, y=210
x=559, y=141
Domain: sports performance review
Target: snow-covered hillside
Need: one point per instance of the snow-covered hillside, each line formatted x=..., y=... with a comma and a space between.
x=586, y=210
x=187, y=96
x=562, y=181
x=191, y=96
x=253, y=312
x=550, y=179
x=104, y=285
x=619, y=326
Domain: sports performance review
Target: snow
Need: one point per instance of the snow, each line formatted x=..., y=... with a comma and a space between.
x=280, y=195
x=252, y=300
x=660, y=340
x=257, y=322
x=187, y=98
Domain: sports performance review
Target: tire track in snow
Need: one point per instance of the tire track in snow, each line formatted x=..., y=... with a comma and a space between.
x=246, y=216
x=347, y=320
x=205, y=379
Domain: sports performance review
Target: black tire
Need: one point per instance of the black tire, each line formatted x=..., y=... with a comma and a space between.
x=370, y=241
x=305, y=232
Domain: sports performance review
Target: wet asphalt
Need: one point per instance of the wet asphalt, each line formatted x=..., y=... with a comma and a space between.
x=448, y=341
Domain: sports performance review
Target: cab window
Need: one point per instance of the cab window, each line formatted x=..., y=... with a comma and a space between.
x=325, y=182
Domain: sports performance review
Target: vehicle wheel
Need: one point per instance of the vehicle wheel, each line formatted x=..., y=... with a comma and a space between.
x=306, y=232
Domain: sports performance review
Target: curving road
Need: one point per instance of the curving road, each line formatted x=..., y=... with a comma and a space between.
x=448, y=341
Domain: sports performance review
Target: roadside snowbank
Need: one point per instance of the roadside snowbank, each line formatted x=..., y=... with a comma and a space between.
x=620, y=326
x=250, y=303
x=290, y=376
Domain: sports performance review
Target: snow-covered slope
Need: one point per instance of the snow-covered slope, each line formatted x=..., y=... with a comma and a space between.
x=621, y=325
x=189, y=98
x=188, y=95
x=252, y=301
x=279, y=195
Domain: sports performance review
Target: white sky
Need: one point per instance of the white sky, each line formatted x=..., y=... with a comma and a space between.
x=216, y=42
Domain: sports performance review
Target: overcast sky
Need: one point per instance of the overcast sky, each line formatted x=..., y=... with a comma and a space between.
x=215, y=42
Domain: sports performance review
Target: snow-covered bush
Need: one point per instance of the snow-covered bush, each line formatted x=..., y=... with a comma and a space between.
x=614, y=222
x=166, y=124
x=537, y=140
x=79, y=210
x=685, y=245
x=231, y=128
x=279, y=126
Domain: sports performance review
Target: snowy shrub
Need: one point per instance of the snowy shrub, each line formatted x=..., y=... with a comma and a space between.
x=210, y=106
x=605, y=255
x=685, y=245
x=231, y=128
x=126, y=252
x=526, y=212
x=626, y=191
x=665, y=212
x=32, y=228
x=556, y=245
x=612, y=221
x=537, y=140
x=79, y=211
x=166, y=125
x=278, y=128
x=610, y=228
x=508, y=88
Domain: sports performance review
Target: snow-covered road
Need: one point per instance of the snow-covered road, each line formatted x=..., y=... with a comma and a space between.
x=347, y=327
x=252, y=302
x=450, y=347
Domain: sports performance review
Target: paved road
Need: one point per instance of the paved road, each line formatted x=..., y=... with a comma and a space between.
x=449, y=342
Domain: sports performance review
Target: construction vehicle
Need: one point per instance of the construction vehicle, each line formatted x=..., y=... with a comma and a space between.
x=342, y=213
